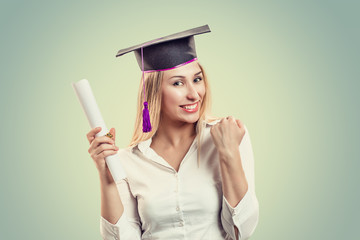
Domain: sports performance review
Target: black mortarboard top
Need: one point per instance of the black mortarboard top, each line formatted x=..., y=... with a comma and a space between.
x=163, y=54
x=167, y=52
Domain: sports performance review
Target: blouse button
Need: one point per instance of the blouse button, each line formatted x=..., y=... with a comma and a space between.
x=177, y=209
x=181, y=224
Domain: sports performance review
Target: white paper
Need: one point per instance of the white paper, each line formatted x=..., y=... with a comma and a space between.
x=86, y=97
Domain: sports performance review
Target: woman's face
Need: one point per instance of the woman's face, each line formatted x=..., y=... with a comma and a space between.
x=183, y=90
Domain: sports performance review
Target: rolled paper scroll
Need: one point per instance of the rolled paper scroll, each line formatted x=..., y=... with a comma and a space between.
x=86, y=97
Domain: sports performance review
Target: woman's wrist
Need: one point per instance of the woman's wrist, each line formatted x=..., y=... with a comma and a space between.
x=228, y=153
x=105, y=177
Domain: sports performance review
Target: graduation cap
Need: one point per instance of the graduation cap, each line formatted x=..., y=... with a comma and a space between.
x=163, y=54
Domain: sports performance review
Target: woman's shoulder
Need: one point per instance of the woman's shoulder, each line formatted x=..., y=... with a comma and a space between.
x=125, y=151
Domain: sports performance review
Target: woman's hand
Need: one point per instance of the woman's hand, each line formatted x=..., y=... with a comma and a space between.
x=100, y=147
x=227, y=134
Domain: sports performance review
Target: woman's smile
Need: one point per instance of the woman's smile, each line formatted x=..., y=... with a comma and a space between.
x=191, y=107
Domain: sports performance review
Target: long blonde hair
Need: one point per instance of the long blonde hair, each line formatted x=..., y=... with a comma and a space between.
x=153, y=82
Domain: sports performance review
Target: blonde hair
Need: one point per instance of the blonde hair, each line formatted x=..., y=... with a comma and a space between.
x=153, y=82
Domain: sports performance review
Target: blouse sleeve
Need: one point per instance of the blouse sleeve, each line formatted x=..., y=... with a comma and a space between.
x=245, y=215
x=128, y=226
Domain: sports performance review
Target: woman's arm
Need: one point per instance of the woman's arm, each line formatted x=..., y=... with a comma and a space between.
x=240, y=205
x=234, y=183
x=111, y=205
x=240, y=208
x=119, y=213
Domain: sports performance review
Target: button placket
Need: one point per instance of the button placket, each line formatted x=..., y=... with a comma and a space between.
x=181, y=221
x=176, y=190
x=177, y=182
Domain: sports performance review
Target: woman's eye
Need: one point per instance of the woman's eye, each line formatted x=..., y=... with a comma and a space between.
x=198, y=78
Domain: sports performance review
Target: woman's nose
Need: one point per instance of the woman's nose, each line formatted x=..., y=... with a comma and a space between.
x=192, y=92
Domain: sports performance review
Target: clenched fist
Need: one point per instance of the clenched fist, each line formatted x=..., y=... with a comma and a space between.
x=227, y=134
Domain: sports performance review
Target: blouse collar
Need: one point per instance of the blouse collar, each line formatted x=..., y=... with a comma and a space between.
x=145, y=145
x=147, y=151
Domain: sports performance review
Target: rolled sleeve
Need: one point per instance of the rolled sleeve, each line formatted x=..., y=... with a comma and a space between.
x=244, y=216
x=109, y=230
x=120, y=230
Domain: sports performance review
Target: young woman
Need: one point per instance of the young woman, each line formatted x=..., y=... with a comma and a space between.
x=191, y=176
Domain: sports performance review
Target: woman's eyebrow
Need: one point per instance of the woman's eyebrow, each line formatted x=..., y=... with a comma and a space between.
x=184, y=76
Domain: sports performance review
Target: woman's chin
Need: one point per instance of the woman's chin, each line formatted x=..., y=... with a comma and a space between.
x=192, y=119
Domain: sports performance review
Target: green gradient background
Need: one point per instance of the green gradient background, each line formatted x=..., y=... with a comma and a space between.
x=288, y=69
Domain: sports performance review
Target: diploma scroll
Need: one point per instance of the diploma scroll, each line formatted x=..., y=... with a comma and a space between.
x=86, y=97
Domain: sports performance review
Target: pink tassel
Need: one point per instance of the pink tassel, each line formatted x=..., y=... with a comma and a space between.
x=146, y=118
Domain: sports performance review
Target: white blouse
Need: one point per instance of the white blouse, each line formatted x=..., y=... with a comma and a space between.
x=160, y=203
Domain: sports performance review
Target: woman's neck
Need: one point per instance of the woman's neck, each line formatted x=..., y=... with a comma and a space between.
x=173, y=134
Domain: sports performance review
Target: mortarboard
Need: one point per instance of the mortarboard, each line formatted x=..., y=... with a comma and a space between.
x=162, y=54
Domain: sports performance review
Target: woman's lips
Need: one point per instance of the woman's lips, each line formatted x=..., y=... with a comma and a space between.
x=191, y=110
